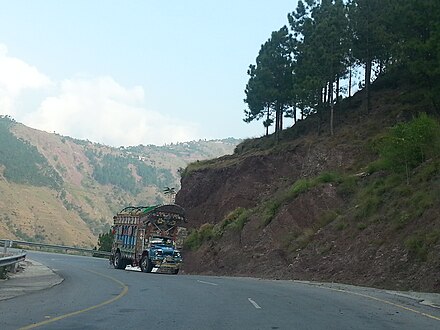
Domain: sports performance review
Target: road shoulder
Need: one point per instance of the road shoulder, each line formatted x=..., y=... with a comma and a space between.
x=34, y=277
x=424, y=298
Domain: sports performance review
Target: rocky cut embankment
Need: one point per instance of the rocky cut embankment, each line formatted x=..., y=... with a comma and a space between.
x=328, y=217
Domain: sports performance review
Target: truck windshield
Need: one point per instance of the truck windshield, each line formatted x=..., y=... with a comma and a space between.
x=162, y=241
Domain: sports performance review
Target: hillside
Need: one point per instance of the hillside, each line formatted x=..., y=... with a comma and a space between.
x=322, y=207
x=56, y=189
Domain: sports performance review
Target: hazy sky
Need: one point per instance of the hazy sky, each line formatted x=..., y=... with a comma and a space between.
x=133, y=72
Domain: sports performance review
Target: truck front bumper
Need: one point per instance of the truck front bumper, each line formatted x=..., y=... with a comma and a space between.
x=167, y=263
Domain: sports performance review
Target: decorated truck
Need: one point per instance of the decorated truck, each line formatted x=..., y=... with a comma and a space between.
x=149, y=237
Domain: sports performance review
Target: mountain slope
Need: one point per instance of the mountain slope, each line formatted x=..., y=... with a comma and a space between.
x=321, y=207
x=61, y=190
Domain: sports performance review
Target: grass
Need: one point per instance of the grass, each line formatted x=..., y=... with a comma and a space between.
x=271, y=207
x=270, y=210
x=341, y=226
x=234, y=221
x=198, y=165
x=387, y=196
x=197, y=237
x=420, y=243
x=347, y=186
x=382, y=196
x=298, y=239
x=326, y=218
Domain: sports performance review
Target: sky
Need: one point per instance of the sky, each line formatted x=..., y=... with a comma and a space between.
x=133, y=72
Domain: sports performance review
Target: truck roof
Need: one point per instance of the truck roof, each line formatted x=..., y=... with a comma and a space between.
x=143, y=210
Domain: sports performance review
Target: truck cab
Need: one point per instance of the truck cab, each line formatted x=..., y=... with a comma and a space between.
x=161, y=252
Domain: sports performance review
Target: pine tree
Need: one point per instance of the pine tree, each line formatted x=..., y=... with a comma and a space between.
x=268, y=92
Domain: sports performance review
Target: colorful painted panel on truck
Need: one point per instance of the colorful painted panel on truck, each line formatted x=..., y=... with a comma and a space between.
x=149, y=237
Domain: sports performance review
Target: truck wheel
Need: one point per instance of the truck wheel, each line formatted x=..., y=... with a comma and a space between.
x=146, y=264
x=118, y=262
x=176, y=271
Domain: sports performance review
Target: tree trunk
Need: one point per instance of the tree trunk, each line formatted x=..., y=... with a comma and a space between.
x=277, y=121
x=330, y=93
x=294, y=113
x=349, y=83
x=281, y=118
x=267, y=120
x=331, y=106
x=367, y=84
x=337, y=89
x=320, y=106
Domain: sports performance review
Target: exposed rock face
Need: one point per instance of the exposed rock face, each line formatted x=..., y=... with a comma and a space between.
x=210, y=194
x=320, y=234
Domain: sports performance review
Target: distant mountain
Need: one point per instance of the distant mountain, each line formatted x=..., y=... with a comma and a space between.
x=62, y=190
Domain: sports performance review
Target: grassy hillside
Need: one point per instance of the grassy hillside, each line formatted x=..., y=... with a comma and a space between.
x=62, y=190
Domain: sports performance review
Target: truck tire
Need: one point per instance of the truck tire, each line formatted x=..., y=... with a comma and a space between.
x=118, y=262
x=175, y=271
x=146, y=264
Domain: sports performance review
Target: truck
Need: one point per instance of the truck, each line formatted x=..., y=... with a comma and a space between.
x=149, y=237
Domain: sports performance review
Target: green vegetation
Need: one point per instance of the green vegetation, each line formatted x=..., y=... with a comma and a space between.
x=22, y=162
x=234, y=221
x=105, y=241
x=420, y=244
x=380, y=194
x=118, y=171
x=301, y=69
x=409, y=144
x=298, y=239
x=267, y=211
x=270, y=208
x=198, y=236
x=402, y=188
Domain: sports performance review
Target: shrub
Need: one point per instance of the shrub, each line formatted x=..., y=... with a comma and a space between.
x=271, y=208
x=329, y=177
x=235, y=220
x=421, y=243
x=347, y=186
x=299, y=187
x=197, y=237
x=409, y=144
x=305, y=238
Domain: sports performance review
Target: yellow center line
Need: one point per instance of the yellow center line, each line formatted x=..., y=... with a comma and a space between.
x=384, y=301
x=61, y=317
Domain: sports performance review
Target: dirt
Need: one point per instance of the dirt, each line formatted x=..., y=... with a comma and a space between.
x=314, y=237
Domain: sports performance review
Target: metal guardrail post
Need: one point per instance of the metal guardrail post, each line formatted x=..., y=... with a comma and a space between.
x=5, y=247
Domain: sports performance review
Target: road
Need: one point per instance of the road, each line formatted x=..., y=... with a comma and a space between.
x=95, y=296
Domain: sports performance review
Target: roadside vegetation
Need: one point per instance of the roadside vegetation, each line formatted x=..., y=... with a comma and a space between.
x=396, y=189
x=234, y=221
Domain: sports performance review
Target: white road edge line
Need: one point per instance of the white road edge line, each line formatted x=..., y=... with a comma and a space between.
x=206, y=282
x=254, y=303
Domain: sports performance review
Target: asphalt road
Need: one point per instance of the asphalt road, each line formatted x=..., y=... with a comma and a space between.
x=93, y=295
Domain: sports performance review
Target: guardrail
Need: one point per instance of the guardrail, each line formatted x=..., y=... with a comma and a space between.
x=11, y=260
x=8, y=243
